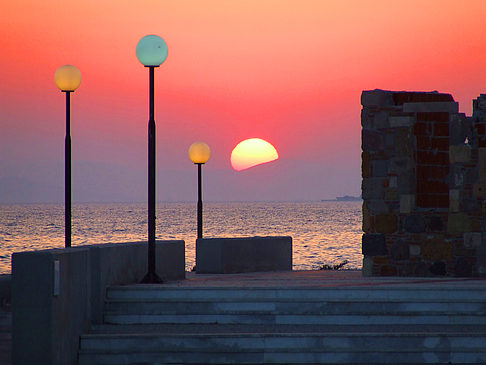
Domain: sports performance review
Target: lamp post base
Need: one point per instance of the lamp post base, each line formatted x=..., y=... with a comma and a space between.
x=151, y=278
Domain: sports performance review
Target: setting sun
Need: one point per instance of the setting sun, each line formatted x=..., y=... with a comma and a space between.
x=252, y=152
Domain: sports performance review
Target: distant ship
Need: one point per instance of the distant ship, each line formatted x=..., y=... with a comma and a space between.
x=348, y=198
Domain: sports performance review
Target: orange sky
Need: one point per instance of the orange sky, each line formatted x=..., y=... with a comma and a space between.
x=288, y=71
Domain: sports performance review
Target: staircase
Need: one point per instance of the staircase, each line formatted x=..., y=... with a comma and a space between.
x=150, y=324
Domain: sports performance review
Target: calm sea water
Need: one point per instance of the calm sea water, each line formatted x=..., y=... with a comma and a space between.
x=322, y=232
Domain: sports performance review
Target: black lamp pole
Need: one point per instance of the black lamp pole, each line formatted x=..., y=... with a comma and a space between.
x=67, y=171
x=151, y=276
x=199, y=202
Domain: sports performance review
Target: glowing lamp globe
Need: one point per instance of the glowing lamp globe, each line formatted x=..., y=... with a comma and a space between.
x=67, y=78
x=199, y=152
x=152, y=50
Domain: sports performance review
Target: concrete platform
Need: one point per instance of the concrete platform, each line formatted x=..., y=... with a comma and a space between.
x=320, y=278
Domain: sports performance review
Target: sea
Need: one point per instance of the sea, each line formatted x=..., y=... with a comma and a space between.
x=323, y=233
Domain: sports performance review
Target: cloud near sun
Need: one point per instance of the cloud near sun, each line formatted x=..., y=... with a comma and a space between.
x=252, y=152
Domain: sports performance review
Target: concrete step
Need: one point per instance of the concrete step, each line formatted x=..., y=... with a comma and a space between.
x=292, y=306
x=282, y=348
x=280, y=328
x=156, y=324
x=347, y=319
x=374, y=293
x=142, y=304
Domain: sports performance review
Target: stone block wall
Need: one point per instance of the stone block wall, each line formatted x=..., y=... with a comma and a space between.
x=424, y=185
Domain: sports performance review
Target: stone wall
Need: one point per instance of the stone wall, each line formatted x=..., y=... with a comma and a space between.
x=424, y=185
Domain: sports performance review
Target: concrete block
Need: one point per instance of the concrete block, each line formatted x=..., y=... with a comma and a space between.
x=460, y=153
x=407, y=203
x=450, y=107
x=454, y=200
x=472, y=239
x=247, y=254
x=482, y=164
x=373, y=244
x=401, y=121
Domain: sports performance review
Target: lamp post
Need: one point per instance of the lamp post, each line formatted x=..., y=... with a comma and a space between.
x=67, y=79
x=199, y=153
x=151, y=52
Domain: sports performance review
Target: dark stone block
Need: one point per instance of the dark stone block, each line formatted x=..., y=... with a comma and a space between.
x=471, y=205
x=406, y=183
x=436, y=224
x=463, y=268
x=438, y=268
x=366, y=118
x=380, y=120
x=400, y=251
x=372, y=188
x=379, y=168
x=458, y=129
x=406, y=269
x=403, y=97
x=374, y=98
x=372, y=141
x=414, y=223
x=420, y=269
x=457, y=176
x=401, y=166
x=373, y=244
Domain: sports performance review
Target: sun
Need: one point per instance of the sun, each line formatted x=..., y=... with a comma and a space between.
x=252, y=152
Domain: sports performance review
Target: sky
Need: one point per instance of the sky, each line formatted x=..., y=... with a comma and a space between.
x=288, y=71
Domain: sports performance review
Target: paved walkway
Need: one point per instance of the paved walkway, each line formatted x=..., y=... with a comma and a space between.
x=320, y=278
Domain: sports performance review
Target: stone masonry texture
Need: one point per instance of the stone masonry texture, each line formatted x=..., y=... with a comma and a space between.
x=423, y=185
